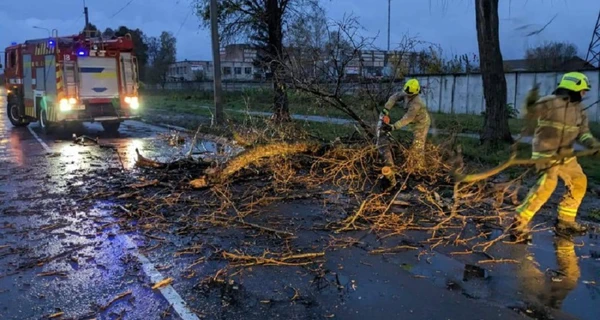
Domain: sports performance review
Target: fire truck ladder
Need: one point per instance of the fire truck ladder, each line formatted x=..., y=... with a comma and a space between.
x=70, y=78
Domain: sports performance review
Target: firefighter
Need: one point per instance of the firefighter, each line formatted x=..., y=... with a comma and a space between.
x=561, y=121
x=416, y=115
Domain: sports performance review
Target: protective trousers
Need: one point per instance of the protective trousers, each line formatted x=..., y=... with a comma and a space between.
x=420, y=136
x=575, y=182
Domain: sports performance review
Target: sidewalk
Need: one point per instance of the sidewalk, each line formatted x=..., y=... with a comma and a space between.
x=341, y=121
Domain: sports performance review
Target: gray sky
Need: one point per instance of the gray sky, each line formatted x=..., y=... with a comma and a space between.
x=451, y=23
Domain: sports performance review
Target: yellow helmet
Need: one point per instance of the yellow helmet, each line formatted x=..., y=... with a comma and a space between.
x=574, y=81
x=412, y=86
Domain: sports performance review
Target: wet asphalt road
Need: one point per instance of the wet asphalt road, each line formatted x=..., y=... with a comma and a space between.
x=59, y=257
x=54, y=255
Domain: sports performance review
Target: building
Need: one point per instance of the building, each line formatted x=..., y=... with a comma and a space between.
x=572, y=64
x=238, y=62
x=190, y=71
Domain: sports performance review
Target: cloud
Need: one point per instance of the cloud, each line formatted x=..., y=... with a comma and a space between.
x=450, y=23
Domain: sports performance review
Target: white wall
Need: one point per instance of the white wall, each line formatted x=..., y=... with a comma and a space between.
x=464, y=93
x=460, y=94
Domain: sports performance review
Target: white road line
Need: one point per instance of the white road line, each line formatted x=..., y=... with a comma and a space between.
x=44, y=145
x=168, y=292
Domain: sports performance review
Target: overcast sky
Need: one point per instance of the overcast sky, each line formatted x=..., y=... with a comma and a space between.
x=451, y=23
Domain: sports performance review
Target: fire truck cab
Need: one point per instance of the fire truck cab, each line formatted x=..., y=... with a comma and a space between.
x=78, y=78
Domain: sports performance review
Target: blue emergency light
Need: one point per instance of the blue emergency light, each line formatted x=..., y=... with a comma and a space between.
x=51, y=43
x=13, y=43
x=81, y=53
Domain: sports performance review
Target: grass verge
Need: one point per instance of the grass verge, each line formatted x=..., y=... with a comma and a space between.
x=188, y=103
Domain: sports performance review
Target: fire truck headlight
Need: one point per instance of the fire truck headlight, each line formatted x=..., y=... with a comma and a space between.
x=72, y=101
x=127, y=99
x=64, y=105
x=134, y=104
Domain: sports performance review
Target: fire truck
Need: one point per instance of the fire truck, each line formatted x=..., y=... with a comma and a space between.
x=79, y=78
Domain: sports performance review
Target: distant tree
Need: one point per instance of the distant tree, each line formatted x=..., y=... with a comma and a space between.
x=263, y=22
x=551, y=56
x=108, y=33
x=495, y=128
x=308, y=31
x=162, y=52
x=90, y=30
x=199, y=75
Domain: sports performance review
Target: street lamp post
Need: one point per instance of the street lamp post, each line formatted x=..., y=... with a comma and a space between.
x=49, y=32
x=389, y=20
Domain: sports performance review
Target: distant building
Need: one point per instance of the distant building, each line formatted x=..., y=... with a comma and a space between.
x=190, y=71
x=575, y=63
x=238, y=62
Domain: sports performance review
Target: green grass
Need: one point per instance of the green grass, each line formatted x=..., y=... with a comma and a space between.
x=259, y=100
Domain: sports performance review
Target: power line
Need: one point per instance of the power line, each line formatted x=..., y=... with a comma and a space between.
x=123, y=8
x=183, y=23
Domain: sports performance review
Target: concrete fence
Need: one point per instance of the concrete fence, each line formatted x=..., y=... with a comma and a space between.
x=454, y=93
x=463, y=94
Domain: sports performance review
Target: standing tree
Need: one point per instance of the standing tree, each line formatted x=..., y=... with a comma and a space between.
x=263, y=22
x=551, y=56
x=495, y=128
x=162, y=53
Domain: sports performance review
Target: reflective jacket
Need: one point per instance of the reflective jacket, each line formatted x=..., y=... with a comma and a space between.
x=560, y=124
x=416, y=114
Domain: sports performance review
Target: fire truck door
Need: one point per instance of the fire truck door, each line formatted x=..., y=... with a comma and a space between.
x=50, y=75
x=27, y=83
x=27, y=76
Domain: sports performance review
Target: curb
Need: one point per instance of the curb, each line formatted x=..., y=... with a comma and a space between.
x=167, y=126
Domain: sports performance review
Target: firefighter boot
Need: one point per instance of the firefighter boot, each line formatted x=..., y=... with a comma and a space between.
x=570, y=228
x=520, y=233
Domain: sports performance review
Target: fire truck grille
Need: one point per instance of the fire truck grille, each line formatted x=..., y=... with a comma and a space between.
x=100, y=110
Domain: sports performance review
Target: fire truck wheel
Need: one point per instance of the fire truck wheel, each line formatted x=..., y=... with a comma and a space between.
x=111, y=127
x=47, y=128
x=13, y=116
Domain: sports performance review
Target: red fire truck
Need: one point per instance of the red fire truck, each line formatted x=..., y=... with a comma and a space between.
x=60, y=80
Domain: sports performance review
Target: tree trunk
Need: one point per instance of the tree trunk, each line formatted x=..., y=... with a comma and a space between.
x=281, y=111
x=495, y=128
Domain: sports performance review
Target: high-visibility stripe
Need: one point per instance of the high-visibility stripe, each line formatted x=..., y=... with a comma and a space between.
x=538, y=155
x=586, y=136
x=557, y=125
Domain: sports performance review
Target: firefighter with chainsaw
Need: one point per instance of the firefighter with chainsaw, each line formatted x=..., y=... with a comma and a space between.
x=416, y=115
x=561, y=122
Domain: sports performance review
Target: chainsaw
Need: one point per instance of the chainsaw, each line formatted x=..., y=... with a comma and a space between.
x=383, y=118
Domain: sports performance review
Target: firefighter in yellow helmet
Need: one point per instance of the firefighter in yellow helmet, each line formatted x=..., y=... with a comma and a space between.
x=561, y=122
x=416, y=115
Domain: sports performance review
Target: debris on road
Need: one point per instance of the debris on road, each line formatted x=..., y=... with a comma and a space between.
x=162, y=283
x=115, y=299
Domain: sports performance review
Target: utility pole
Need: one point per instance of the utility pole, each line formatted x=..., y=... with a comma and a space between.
x=593, y=54
x=85, y=12
x=214, y=28
x=389, y=21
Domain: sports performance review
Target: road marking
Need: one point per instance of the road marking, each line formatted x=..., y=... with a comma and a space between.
x=44, y=145
x=168, y=292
